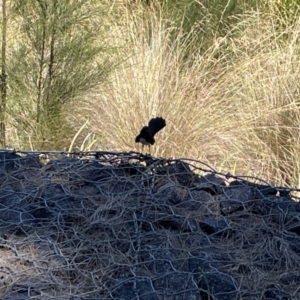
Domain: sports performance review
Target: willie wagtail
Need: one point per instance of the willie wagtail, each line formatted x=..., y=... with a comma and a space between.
x=146, y=136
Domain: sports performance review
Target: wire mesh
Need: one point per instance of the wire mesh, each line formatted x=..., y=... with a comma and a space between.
x=123, y=225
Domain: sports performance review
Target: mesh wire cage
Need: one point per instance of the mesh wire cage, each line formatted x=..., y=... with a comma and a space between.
x=123, y=225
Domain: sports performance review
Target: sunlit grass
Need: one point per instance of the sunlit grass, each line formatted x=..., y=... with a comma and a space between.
x=234, y=106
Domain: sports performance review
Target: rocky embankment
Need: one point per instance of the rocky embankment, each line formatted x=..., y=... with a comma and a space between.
x=128, y=226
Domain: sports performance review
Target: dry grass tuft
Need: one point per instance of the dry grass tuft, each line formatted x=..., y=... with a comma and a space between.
x=235, y=106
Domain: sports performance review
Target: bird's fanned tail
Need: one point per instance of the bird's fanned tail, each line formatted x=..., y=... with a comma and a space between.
x=156, y=124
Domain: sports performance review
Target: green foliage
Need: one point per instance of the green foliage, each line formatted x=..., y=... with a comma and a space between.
x=58, y=58
x=286, y=12
x=203, y=21
x=288, y=9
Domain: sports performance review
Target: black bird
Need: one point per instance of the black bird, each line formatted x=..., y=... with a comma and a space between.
x=146, y=136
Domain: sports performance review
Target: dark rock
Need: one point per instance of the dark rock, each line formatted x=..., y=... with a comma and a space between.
x=274, y=293
x=170, y=193
x=115, y=186
x=41, y=213
x=280, y=210
x=229, y=207
x=240, y=193
x=19, y=295
x=176, y=285
x=196, y=199
x=131, y=169
x=258, y=190
x=218, y=286
x=180, y=172
x=202, y=203
x=293, y=241
x=8, y=155
x=10, y=217
x=115, y=228
x=243, y=269
x=163, y=260
x=190, y=225
x=63, y=164
x=11, y=162
x=93, y=171
x=200, y=263
x=170, y=222
x=214, y=226
x=210, y=183
x=295, y=228
x=134, y=289
x=289, y=282
x=9, y=198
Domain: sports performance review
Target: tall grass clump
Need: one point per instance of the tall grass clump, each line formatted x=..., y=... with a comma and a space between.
x=156, y=79
x=265, y=78
x=234, y=105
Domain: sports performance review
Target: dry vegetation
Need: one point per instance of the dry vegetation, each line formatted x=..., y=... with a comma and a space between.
x=126, y=227
x=91, y=228
x=234, y=105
